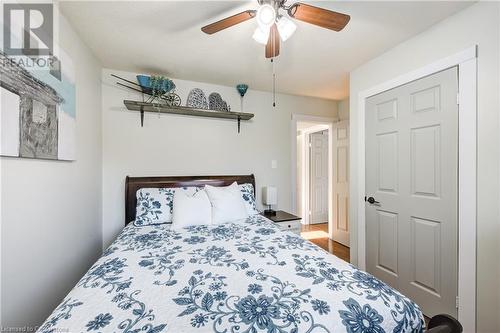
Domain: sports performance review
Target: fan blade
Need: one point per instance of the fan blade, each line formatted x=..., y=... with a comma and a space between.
x=318, y=16
x=228, y=22
x=273, y=43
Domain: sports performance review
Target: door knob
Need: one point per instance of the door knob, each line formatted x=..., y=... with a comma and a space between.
x=371, y=200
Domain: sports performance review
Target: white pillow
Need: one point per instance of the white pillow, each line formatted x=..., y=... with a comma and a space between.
x=227, y=203
x=191, y=209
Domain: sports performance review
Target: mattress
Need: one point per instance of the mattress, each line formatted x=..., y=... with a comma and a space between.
x=245, y=276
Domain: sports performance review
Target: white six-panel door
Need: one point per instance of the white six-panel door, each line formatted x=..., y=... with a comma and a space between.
x=412, y=170
x=340, y=230
x=318, y=171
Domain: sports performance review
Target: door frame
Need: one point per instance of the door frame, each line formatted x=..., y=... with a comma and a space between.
x=466, y=61
x=329, y=121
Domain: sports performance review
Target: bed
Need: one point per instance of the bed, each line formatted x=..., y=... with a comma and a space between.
x=242, y=276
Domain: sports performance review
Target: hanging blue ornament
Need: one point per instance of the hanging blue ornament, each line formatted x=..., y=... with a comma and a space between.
x=242, y=89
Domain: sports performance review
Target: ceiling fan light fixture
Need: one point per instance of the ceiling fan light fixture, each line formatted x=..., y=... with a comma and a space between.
x=286, y=27
x=266, y=15
x=260, y=35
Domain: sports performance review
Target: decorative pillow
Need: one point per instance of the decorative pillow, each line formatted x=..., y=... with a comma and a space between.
x=249, y=198
x=191, y=210
x=155, y=205
x=227, y=203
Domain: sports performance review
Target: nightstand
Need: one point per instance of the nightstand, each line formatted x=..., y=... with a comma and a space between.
x=286, y=221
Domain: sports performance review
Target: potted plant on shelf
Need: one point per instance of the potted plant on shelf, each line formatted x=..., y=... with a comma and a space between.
x=160, y=88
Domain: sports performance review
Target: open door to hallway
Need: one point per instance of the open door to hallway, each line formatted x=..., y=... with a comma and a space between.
x=340, y=228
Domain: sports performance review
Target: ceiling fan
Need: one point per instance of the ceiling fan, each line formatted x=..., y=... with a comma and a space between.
x=273, y=25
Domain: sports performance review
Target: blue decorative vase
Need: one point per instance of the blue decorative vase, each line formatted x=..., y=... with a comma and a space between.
x=242, y=89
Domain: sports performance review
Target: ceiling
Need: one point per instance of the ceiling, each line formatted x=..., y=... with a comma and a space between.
x=164, y=37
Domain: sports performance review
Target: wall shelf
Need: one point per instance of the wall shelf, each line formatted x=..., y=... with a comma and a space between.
x=184, y=110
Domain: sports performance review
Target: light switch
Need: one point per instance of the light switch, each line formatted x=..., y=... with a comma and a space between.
x=274, y=164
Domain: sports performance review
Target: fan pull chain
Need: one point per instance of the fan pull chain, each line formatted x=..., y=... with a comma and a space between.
x=274, y=84
x=273, y=35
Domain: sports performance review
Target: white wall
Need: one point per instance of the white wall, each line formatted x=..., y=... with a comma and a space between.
x=478, y=24
x=344, y=109
x=183, y=145
x=51, y=211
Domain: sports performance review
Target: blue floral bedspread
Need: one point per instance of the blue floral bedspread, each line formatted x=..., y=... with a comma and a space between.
x=246, y=276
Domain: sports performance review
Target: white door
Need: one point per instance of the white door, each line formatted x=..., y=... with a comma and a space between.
x=340, y=230
x=411, y=170
x=318, y=172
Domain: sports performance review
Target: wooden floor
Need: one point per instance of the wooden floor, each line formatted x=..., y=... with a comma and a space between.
x=318, y=234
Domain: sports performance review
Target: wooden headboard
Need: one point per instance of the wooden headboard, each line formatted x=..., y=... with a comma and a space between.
x=132, y=184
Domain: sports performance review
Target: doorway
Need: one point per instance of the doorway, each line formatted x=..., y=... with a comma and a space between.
x=320, y=181
x=305, y=167
x=412, y=190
